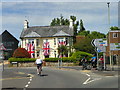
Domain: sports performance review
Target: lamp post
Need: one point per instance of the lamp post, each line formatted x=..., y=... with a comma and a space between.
x=109, y=33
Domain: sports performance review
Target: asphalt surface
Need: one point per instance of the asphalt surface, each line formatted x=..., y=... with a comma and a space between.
x=65, y=77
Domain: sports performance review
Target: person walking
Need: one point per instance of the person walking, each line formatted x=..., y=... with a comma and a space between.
x=84, y=63
x=39, y=63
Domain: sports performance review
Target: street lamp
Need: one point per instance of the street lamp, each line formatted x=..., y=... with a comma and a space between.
x=109, y=33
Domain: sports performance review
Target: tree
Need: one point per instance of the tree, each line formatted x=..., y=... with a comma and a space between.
x=85, y=44
x=81, y=26
x=62, y=50
x=114, y=28
x=84, y=33
x=21, y=53
x=59, y=21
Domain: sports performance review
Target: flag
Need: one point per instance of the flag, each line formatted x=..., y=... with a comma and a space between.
x=31, y=50
x=61, y=42
x=46, y=48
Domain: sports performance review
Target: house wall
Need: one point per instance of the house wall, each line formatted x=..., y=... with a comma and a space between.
x=53, y=45
x=112, y=39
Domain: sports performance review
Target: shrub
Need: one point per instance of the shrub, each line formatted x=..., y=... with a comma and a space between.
x=21, y=53
x=64, y=59
x=80, y=54
x=21, y=59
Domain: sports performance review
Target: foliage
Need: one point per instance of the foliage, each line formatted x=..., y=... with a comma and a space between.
x=80, y=54
x=114, y=28
x=84, y=33
x=81, y=26
x=85, y=44
x=21, y=59
x=74, y=58
x=62, y=50
x=59, y=21
x=64, y=59
x=21, y=53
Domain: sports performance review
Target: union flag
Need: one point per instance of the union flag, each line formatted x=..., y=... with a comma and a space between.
x=61, y=42
x=31, y=49
x=46, y=48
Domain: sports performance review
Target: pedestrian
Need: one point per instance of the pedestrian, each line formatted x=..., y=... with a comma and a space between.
x=39, y=63
x=101, y=63
x=84, y=63
x=94, y=62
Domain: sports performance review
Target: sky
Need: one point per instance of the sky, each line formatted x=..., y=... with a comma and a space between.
x=93, y=14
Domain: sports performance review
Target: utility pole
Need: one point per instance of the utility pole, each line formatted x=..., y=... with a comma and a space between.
x=109, y=33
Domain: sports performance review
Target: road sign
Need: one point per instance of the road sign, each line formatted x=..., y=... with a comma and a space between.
x=100, y=44
x=114, y=46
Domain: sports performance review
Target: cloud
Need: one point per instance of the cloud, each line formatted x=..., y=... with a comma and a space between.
x=94, y=15
x=60, y=0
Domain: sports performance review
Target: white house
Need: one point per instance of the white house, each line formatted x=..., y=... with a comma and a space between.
x=43, y=41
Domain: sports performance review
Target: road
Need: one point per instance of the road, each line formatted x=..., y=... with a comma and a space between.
x=55, y=78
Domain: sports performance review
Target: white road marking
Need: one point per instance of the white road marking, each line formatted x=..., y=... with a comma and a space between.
x=89, y=81
x=28, y=82
x=26, y=86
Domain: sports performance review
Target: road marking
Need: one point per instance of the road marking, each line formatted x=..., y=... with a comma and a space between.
x=31, y=76
x=89, y=81
x=26, y=86
x=28, y=82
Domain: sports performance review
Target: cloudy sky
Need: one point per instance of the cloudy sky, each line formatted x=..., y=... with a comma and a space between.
x=93, y=14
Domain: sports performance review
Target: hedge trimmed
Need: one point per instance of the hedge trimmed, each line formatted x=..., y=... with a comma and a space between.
x=21, y=59
x=80, y=54
x=64, y=59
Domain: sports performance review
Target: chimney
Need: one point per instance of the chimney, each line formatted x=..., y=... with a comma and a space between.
x=71, y=23
x=25, y=24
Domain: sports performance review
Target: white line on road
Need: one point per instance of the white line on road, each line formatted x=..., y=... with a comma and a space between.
x=26, y=86
x=89, y=81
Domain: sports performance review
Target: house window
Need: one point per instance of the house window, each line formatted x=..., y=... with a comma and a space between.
x=55, y=53
x=54, y=41
x=115, y=35
x=37, y=42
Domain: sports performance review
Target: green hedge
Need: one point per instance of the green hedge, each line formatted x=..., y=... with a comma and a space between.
x=21, y=59
x=64, y=59
x=80, y=54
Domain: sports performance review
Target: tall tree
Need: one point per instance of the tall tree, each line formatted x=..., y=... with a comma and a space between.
x=81, y=26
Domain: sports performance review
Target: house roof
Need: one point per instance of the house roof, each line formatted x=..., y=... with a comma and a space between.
x=32, y=34
x=61, y=33
x=5, y=34
x=47, y=31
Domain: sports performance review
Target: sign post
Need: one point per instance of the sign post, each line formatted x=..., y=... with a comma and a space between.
x=100, y=46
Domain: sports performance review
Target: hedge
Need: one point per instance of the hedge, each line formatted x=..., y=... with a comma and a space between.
x=64, y=59
x=21, y=59
x=80, y=54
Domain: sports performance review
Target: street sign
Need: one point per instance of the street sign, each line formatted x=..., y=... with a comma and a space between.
x=114, y=46
x=100, y=44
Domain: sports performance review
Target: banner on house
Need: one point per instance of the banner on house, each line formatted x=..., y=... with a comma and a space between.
x=46, y=48
x=31, y=49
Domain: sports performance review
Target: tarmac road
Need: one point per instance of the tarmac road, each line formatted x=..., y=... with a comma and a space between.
x=57, y=78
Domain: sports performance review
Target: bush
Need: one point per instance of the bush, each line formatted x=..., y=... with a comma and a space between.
x=80, y=54
x=21, y=53
x=21, y=59
x=64, y=59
